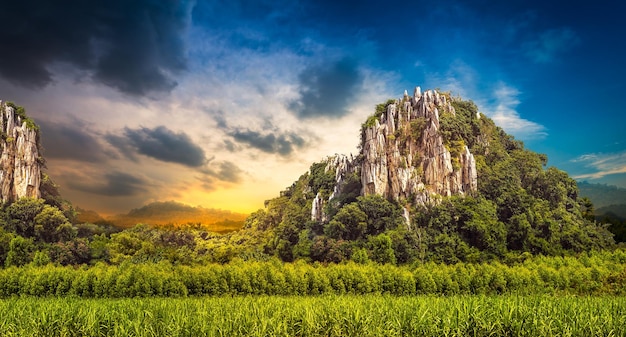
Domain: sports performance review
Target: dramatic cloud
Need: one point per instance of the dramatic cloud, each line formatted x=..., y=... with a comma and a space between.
x=499, y=102
x=159, y=143
x=283, y=144
x=70, y=141
x=230, y=146
x=267, y=87
x=228, y=172
x=503, y=112
x=326, y=91
x=114, y=184
x=134, y=47
x=602, y=164
x=225, y=171
x=551, y=43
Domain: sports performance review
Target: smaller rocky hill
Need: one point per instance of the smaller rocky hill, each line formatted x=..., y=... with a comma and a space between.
x=20, y=159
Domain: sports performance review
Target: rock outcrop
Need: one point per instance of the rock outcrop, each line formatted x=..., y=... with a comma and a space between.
x=343, y=166
x=405, y=156
x=20, y=161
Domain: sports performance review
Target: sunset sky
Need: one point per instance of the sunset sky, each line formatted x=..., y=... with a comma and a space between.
x=222, y=104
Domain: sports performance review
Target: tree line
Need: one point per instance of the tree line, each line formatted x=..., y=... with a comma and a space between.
x=600, y=273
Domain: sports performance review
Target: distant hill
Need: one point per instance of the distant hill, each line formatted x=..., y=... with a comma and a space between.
x=89, y=216
x=601, y=194
x=610, y=206
x=618, y=211
x=171, y=213
x=615, y=217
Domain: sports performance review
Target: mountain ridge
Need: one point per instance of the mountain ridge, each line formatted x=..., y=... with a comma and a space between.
x=602, y=194
x=161, y=213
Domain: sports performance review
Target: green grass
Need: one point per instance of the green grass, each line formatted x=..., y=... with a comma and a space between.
x=369, y=315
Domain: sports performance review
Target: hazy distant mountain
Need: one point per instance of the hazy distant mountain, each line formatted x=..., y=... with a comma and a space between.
x=89, y=216
x=602, y=195
x=174, y=213
x=610, y=206
x=618, y=211
x=615, y=217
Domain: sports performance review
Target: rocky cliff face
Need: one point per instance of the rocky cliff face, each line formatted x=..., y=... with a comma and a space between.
x=343, y=167
x=20, y=161
x=405, y=156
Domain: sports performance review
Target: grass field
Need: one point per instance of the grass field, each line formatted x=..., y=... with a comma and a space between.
x=368, y=315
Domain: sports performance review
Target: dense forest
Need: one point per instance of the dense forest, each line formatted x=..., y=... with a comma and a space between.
x=600, y=273
x=520, y=207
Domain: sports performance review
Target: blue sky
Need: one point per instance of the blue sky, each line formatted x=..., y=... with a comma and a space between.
x=224, y=103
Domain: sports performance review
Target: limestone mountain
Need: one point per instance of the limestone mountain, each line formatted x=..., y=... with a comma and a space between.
x=407, y=154
x=20, y=161
x=433, y=180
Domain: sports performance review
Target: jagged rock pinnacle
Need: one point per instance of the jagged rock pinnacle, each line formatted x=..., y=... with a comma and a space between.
x=404, y=155
x=408, y=159
x=20, y=163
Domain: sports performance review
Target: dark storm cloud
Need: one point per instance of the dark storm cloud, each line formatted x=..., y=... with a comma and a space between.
x=327, y=90
x=220, y=120
x=114, y=184
x=122, y=144
x=70, y=142
x=213, y=174
x=229, y=172
x=230, y=146
x=132, y=46
x=159, y=143
x=252, y=24
x=280, y=143
x=225, y=171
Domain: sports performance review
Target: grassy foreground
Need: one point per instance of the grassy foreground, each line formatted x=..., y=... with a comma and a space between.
x=369, y=315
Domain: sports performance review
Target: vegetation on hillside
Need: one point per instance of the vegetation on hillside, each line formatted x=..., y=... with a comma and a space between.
x=21, y=113
x=521, y=207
